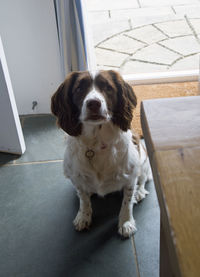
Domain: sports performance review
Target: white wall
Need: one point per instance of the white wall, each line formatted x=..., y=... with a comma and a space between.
x=29, y=36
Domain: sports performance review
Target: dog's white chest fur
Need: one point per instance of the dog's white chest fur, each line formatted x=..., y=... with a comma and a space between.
x=102, y=160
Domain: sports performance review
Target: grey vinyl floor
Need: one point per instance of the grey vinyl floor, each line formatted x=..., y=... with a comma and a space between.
x=38, y=205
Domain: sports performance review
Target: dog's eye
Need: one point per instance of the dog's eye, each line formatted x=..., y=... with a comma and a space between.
x=78, y=90
x=108, y=88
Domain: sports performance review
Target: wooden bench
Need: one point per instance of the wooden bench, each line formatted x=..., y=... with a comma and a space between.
x=171, y=129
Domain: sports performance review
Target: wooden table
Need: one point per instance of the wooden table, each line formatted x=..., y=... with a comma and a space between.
x=171, y=129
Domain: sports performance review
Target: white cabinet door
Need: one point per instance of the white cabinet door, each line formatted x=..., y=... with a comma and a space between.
x=11, y=136
x=29, y=34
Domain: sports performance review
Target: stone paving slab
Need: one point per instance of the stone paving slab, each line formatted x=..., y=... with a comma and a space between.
x=184, y=45
x=196, y=25
x=122, y=43
x=131, y=13
x=156, y=54
x=103, y=31
x=189, y=10
x=108, y=57
x=110, y=4
x=141, y=67
x=139, y=21
x=175, y=28
x=148, y=34
x=98, y=17
x=190, y=62
x=105, y=67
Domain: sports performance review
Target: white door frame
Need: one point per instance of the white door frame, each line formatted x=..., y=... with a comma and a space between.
x=11, y=136
x=162, y=77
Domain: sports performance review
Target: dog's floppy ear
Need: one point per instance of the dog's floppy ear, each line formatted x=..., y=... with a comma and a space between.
x=126, y=102
x=64, y=109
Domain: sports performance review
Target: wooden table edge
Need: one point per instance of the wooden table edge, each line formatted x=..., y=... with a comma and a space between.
x=165, y=223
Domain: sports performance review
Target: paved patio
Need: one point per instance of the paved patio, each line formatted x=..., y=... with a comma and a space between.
x=137, y=36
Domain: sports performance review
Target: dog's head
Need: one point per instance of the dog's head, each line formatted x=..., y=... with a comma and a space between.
x=84, y=99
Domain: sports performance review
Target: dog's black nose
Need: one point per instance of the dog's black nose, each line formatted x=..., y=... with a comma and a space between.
x=94, y=105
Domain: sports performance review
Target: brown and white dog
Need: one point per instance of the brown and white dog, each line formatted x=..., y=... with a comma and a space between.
x=102, y=154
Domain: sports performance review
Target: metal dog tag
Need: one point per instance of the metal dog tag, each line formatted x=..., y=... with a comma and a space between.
x=89, y=154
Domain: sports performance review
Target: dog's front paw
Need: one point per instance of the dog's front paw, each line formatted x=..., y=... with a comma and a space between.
x=127, y=229
x=82, y=221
